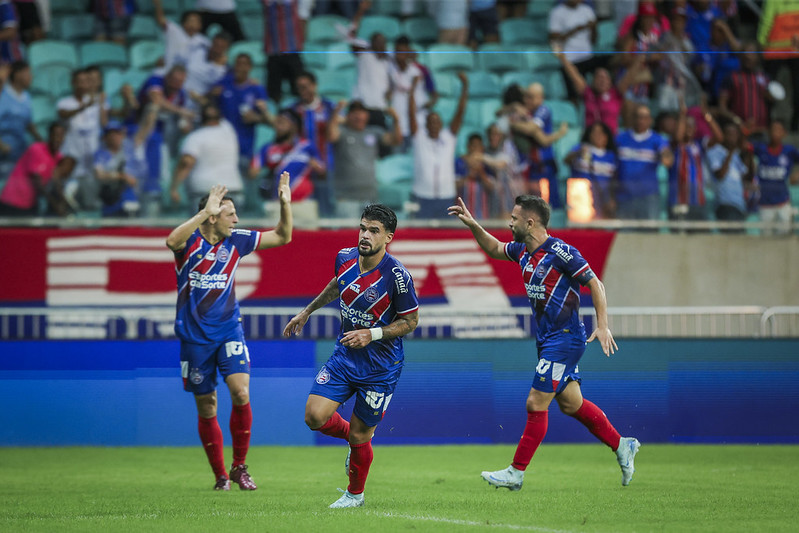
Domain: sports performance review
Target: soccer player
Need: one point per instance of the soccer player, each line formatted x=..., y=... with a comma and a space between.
x=552, y=272
x=207, y=250
x=378, y=306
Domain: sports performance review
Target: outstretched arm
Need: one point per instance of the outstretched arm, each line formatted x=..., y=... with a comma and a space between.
x=577, y=79
x=601, y=331
x=359, y=338
x=282, y=233
x=457, y=120
x=328, y=294
x=490, y=244
x=178, y=237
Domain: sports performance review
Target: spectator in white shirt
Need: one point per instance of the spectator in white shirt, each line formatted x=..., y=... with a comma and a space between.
x=572, y=24
x=181, y=39
x=434, y=155
x=85, y=115
x=206, y=68
x=373, y=84
x=403, y=71
x=210, y=156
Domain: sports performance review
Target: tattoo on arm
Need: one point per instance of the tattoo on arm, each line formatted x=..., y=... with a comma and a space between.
x=401, y=326
x=329, y=294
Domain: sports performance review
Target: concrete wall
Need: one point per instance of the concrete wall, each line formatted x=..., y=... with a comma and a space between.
x=702, y=270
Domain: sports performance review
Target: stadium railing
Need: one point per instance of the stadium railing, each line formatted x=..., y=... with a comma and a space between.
x=436, y=321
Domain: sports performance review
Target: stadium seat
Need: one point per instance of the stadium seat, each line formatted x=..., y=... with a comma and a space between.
x=263, y=135
x=540, y=8
x=497, y=58
x=450, y=57
x=447, y=84
x=564, y=112
x=323, y=29
x=135, y=77
x=145, y=54
x=541, y=59
x=47, y=52
x=143, y=28
x=607, y=31
x=337, y=85
x=65, y=7
x=249, y=8
x=255, y=49
x=473, y=118
x=44, y=109
x=522, y=79
x=563, y=146
x=395, y=195
x=555, y=86
x=488, y=111
x=422, y=30
x=314, y=57
x=389, y=8
x=54, y=81
x=523, y=31
x=253, y=28
x=103, y=54
x=446, y=107
x=484, y=85
x=340, y=56
x=394, y=168
x=371, y=24
x=75, y=27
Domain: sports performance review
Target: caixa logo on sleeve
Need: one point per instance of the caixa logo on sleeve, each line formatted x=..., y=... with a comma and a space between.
x=124, y=270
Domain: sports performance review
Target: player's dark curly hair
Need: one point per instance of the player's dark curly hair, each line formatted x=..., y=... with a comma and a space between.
x=535, y=204
x=381, y=213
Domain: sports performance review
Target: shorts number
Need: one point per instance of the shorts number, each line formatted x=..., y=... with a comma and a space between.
x=543, y=366
x=237, y=348
x=376, y=399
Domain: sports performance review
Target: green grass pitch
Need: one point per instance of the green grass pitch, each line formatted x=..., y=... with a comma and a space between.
x=410, y=488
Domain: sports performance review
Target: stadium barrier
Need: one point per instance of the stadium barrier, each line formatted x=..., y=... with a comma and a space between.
x=435, y=323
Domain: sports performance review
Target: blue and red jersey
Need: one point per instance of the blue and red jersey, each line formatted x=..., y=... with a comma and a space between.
x=292, y=157
x=474, y=193
x=282, y=27
x=542, y=116
x=10, y=50
x=156, y=82
x=207, y=309
x=112, y=9
x=686, y=175
x=369, y=300
x=773, y=172
x=552, y=276
x=234, y=100
x=639, y=157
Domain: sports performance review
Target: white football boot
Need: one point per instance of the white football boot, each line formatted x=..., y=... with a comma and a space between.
x=510, y=478
x=348, y=500
x=625, y=454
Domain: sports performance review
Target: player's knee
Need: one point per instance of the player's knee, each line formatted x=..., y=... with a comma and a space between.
x=313, y=420
x=240, y=397
x=568, y=408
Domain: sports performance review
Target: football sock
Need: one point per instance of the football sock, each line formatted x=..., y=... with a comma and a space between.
x=598, y=424
x=360, y=461
x=240, y=426
x=337, y=427
x=534, y=431
x=211, y=438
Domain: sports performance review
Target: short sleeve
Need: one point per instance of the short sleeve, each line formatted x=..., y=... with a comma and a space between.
x=191, y=146
x=405, y=300
x=460, y=168
x=715, y=158
x=514, y=251
x=245, y=240
x=573, y=264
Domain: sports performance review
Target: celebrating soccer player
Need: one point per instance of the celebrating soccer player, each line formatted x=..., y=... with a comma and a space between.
x=552, y=272
x=207, y=251
x=378, y=306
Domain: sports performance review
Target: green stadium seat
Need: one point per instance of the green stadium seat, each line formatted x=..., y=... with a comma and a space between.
x=563, y=146
x=555, y=86
x=322, y=29
x=340, y=56
x=488, y=111
x=447, y=84
x=422, y=30
x=395, y=195
x=143, y=28
x=75, y=27
x=497, y=58
x=564, y=112
x=541, y=59
x=135, y=77
x=103, y=54
x=263, y=135
x=371, y=24
x=314, y=57
x=44, y=109
x=54, y=81
x=607, y=32
x=450, y=57
x=522, y=79
x=145, y=54
x=255, y=49
x=523, y=31
x=249, y=8
x=48, y=52
x=540, y=8
x=389, y=8
x=253, y=28
x=484, y=85
x=394, y=168
x=337, y=85
x=66, y=7
x=446, y=107
x=473, y=118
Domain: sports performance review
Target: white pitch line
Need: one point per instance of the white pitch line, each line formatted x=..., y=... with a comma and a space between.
x=466, y=522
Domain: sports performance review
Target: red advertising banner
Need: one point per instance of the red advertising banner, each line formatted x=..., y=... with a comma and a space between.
x=133, y=267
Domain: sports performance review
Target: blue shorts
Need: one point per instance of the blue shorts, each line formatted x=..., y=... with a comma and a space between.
x=557, y=364
x=373, y=396
x=199, y=363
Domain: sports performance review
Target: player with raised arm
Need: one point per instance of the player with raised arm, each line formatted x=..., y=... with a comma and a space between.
x=552, y=272
x=207, y=250
x=378, y=306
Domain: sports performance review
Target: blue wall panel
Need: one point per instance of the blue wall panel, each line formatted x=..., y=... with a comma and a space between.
x=451, y=391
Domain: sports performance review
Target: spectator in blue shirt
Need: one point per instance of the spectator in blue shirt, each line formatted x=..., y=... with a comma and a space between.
x=16, y=116
x=733, y=168
x=776, y=161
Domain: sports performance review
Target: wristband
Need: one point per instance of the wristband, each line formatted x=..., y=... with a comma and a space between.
x=377, y=333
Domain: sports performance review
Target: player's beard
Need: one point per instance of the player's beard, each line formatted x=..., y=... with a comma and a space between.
x=370, y=252
x=517, y=237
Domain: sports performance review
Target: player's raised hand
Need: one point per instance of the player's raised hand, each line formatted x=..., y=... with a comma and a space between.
x=214, y=204
x=605, y=340
x=283, y=189
x=295, y=324
x=459, y=210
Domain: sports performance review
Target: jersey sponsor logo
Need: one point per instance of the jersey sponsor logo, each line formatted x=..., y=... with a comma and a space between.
x=562, y=251
x=323, y=376
x=208, y=281
x=535, y=292
x=356, y=316
x=402, y=287
x=356, y=288
x=371, y=295
x=772, y=173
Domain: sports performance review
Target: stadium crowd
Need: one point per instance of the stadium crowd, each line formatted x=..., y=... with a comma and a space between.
x=625, y=109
